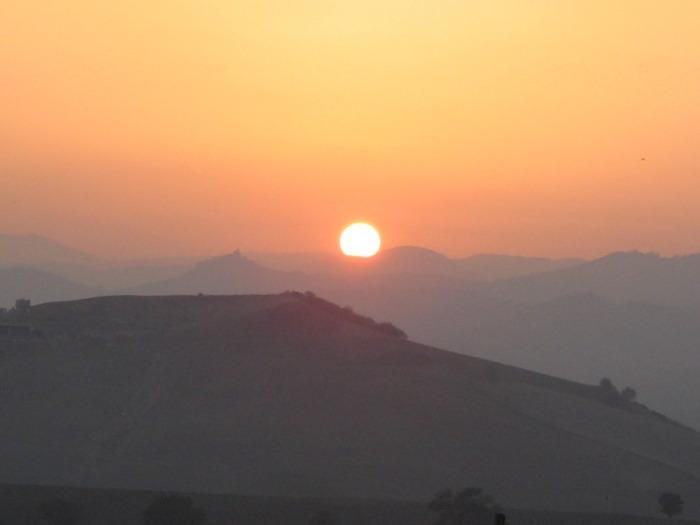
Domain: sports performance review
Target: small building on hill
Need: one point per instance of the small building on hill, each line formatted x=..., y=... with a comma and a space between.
x=23, y=305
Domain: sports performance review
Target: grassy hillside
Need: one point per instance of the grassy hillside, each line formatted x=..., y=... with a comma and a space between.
x=284, y=396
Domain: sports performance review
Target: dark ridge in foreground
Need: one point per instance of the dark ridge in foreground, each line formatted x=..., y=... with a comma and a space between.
x=291, y=396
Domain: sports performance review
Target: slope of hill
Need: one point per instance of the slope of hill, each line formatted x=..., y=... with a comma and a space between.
x=115, y=275
x=650, y=347
x=619, y=277
x=277, y=395
x=487, y=267
x=580, y=337
x=39, y=287
x=33, y=250
x=228, y=274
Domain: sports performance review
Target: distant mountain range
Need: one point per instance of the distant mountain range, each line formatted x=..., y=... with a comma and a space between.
x=85, y=270
x=287, y=395
x=583, y=323
x=33, y=250
x=632, y=317
x=619, y=277
x=40, y=287
x=414, y=261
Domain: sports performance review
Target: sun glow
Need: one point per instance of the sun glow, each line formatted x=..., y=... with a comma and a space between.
x=360, y=240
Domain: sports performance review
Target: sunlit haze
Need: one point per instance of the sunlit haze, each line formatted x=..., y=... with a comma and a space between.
x=156, y=128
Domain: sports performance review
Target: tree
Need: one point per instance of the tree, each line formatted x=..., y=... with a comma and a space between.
x=628, y=394
x=60, y=512
x=471, y=506
x=173, y=510
x=671, y=504
x=607, y=385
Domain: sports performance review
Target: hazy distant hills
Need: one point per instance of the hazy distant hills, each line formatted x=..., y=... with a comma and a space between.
x=39, y=286
x=33, y=251
x=228, y=274
x=620, y=277
x=279, y=395
x=412, y=260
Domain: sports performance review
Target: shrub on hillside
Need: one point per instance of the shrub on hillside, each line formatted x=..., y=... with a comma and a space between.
x=614, y=397
x=347, y=314
x=671, y=504
x=471, y=506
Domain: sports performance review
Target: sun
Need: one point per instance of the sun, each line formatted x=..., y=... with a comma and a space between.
x=360, y=240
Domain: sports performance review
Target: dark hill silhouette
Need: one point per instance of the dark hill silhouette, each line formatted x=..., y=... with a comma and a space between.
x=282, y=395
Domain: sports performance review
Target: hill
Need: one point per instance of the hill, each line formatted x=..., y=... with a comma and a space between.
x=580, y=337
x=520, y=321
x=619, y=277
x=415, y=261
x=229, y=274
x=40, y=253
x=33, y=250
x=40, y=287
x=283, y=395
x=488, y=267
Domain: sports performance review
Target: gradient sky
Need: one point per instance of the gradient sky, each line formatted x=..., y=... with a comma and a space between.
x=138, y=128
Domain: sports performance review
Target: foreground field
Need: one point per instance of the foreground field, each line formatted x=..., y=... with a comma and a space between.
x=20, y=504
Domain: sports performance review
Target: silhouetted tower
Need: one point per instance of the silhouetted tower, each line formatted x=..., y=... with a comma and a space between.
x=500, y=519
x=23, y=305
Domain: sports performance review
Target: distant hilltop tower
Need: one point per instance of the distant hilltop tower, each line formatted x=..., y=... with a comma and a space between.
x=23, y=305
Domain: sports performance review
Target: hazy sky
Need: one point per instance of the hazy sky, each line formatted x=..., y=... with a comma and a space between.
x=180, y=127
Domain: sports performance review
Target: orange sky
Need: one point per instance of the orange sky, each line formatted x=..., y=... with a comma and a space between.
x=135, y=128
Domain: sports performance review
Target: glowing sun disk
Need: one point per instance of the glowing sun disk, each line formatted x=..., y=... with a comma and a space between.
x=360, y=240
